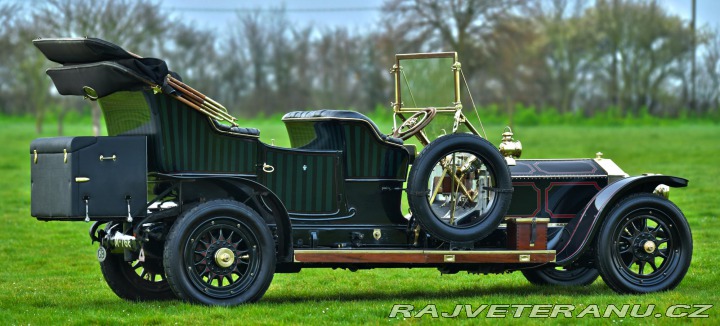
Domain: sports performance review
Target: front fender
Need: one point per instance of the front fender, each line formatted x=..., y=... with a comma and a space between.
x=577, y=235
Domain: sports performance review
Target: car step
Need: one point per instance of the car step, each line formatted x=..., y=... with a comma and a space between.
x=423, y=256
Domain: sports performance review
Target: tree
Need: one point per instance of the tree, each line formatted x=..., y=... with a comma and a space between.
x=567, y=54
x=708, y=95
x=21, y=73
x=137, y=25
x=8, y=50
x=459, y=25
x=643, y=48
x=194, y=55
x=566, y=46
x=255, y=38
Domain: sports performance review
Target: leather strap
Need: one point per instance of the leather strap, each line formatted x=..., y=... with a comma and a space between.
x=533, y=232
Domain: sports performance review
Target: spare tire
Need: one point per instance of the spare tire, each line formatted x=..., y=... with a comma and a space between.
x=468, y=206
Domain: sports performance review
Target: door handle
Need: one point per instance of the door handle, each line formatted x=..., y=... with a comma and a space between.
x=267, y=168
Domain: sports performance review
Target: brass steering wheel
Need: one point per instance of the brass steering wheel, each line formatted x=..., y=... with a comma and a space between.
x=414, y=123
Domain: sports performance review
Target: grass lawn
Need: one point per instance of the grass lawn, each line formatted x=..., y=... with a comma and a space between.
x=51, y=276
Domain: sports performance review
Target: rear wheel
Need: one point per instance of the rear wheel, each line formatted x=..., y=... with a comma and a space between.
x=220, y=253
x=580, y=276
x=459, y=188
x=644, y=246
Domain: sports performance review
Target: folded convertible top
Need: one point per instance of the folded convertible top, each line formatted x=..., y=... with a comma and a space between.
x=80, y=50
x=95, y=68
x=99, y=65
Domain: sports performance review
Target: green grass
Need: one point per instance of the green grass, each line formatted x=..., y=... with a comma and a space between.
x=50, y=274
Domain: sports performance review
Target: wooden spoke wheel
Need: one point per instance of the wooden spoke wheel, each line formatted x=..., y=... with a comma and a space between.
x=220, y=252
x=644, y=246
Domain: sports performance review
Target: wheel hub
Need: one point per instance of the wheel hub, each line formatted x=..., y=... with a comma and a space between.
x=649, y=247
x=224, y=257
x=645, y=246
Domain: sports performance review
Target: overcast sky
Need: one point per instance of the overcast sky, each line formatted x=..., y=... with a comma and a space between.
x=217, y=14
x=213, y=14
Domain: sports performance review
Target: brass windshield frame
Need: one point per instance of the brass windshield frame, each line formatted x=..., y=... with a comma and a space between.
x=399, y=110
x=396, y=71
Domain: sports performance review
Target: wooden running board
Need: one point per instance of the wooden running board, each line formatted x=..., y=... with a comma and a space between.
x=423, y=256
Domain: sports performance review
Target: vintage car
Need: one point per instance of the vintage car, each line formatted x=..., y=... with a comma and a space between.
x=189, y=205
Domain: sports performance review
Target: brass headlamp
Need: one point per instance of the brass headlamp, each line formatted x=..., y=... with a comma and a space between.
x=510, y=148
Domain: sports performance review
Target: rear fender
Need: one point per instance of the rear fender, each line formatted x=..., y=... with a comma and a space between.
x=249, y=192
x=575, y=238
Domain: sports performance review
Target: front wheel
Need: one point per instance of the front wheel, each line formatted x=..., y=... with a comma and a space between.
x=220, y=252
x=644, y=246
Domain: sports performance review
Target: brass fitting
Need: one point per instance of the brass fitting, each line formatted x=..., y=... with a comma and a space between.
x=662, y=190
x=509, y=147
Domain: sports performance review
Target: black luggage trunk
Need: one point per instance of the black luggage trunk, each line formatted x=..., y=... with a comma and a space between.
x=97, y=177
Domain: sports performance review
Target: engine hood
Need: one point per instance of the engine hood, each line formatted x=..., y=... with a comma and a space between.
x=568, y=168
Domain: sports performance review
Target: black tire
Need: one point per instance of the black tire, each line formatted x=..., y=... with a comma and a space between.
x=137, y=281
x=634, y=227
x=220, y=252
x=476, y=217
x=580, y=276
